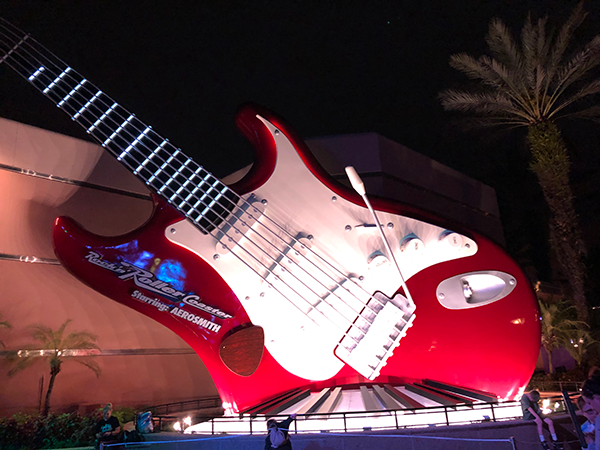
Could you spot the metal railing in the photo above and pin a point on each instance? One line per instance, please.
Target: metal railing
(188, 405)
(346, 421)
(555, 386)
(366, 420)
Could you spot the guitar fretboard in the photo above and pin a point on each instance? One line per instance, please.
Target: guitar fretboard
(187, 186)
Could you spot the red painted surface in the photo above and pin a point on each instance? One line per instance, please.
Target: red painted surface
(492, 348)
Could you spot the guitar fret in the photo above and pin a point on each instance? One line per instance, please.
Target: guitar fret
(160, 169)
(147, 160)
(197, 188)
(17, 45)
(75, 89)
(164, 186)
(122, 135)
(153, 159)
(188, 212)
(88, 103)
(178, 172)
(102, 117)
(56, 80)
(215, 200)
(171, 177)
(191, 209)
(184, 185)
(206, 194)
(36, 73)
(112, 136)
(135, 141)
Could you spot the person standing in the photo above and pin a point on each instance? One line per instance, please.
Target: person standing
(278, 434)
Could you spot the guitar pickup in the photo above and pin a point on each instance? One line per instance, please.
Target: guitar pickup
(367, 349)
(237, 225)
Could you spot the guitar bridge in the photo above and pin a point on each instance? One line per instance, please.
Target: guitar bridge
(367, 348)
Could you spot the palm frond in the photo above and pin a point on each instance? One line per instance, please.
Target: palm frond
(542, 42)
(573, 71)
(502, 45)
(564, 37)
(591, 113)
(535, 77)
(90, 364)
(59, 333)
(592, 88)
(56, 341)
(476, 70)
(4, 324)
(21, 364)
(41, 333)
(472, 123)
(494, 122)
(79, 339)
(489, 104)
(469, 66)
(513, 86)
(493, 74)
(580, 63)
(528, 49)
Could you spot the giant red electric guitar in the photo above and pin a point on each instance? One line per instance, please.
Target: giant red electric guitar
(282, 280)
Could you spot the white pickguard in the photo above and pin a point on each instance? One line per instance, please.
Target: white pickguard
(304, 325)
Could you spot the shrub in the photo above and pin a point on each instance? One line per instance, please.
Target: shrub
(124, 415)
(22, 431)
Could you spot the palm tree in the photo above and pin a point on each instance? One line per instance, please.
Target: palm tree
(558, 330)
(4, 324)
(56, 348)
(580, 345)
(533, 84)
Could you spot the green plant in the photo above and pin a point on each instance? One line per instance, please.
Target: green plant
(22, 431)
(56, 348)
(580, 346)
(533, 83)
(559, 329)
(125, 415)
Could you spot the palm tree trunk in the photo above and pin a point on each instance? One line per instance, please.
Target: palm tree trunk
(54, 370)
(550, 162)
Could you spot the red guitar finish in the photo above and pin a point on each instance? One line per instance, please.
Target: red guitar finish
(492, 348)
(290, 252)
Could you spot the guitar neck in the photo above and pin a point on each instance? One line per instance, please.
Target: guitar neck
(165, 169)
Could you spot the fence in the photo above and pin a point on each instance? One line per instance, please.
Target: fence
(366, 420)
(555, 386)
(188, 405)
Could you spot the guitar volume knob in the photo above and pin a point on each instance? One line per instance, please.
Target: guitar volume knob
(411, 243)
(452, 239)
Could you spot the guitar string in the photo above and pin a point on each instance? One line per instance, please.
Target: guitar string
(355, 311)
(362, 317)
(343, 331)
(266, 240)
(172, 176)
(243, 211)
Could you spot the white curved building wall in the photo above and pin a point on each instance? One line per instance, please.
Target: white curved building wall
(162, 368)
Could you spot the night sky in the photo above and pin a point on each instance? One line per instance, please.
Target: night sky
(326, 67)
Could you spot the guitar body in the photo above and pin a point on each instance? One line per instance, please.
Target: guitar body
(286, 279)
(476, 322)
